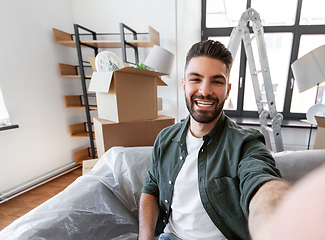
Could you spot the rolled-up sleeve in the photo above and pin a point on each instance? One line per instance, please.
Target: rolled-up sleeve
(256, 168)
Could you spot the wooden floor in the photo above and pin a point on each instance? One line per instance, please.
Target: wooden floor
(18, 206)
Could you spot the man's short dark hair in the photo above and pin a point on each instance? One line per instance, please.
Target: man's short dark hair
(213, 49)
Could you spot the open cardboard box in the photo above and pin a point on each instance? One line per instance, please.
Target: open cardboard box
(320, 135)
(128, 94)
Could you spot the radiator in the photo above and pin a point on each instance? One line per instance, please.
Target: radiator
(16, 191)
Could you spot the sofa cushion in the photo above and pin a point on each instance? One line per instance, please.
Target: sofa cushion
(293, 165)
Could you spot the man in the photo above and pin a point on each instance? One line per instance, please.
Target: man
(208, 174)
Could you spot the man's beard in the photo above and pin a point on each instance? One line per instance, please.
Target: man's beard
(203, 116)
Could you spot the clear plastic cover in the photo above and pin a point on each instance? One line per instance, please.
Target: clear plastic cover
(102, 204)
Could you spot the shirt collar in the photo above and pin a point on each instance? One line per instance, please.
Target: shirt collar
(181, 135)
(214, 134)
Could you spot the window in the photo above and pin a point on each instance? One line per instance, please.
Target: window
(292, 28)
(221, 13)
(278, 49)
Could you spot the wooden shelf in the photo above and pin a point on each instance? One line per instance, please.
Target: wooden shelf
(71, 71)
(79, 130)
(66, 39)
(75, 102)
(83, 154)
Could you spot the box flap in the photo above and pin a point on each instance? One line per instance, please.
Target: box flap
(141, 71)
(100, 82)
(160, 82)
(320, 121)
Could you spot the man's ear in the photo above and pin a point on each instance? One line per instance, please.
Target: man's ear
(183, 84)
(228, 90)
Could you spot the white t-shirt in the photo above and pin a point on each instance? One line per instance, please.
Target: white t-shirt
(188, 219)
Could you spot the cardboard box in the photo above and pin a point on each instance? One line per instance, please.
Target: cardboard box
(128, 94)
(87, 165)
(320, 135)
(128, 134)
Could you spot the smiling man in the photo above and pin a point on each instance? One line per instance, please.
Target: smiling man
(208, 175)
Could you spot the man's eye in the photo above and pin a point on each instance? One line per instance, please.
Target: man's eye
(194, 80)
(218, 82)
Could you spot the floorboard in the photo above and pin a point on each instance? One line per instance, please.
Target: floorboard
(22, 204)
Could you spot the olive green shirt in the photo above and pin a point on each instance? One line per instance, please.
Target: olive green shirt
(232, 164)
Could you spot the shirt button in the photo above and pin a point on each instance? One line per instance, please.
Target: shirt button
(181, 158)
(166, 212)
(201, 150)
(170, 182)
(166, 201)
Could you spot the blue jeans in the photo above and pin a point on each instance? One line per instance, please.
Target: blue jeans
(168, 236)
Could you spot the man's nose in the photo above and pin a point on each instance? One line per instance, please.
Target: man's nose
(205, 88)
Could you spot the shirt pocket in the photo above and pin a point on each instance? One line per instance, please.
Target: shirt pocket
(224, 195)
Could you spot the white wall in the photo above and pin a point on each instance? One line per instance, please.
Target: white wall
(33, 91)
(188, 33)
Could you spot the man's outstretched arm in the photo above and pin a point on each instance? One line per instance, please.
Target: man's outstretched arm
(148, 216)
(262, 208)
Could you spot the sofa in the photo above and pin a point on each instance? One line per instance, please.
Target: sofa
(103, 204)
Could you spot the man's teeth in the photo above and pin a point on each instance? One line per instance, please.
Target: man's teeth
(204, 104)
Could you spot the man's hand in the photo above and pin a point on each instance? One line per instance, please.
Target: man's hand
(300, 215)
(263, 206)
(148, 216)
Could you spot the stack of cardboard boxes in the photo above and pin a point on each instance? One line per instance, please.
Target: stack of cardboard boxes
(127, 108)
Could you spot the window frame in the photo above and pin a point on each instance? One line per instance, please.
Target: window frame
(296, 30)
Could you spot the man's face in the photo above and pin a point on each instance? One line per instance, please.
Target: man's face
(206, 88)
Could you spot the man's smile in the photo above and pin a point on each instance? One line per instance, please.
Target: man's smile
(204, 104)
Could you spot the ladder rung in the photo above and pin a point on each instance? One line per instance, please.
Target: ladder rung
(263, 101)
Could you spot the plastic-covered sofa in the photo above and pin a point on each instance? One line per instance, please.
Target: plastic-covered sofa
(103, 204)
